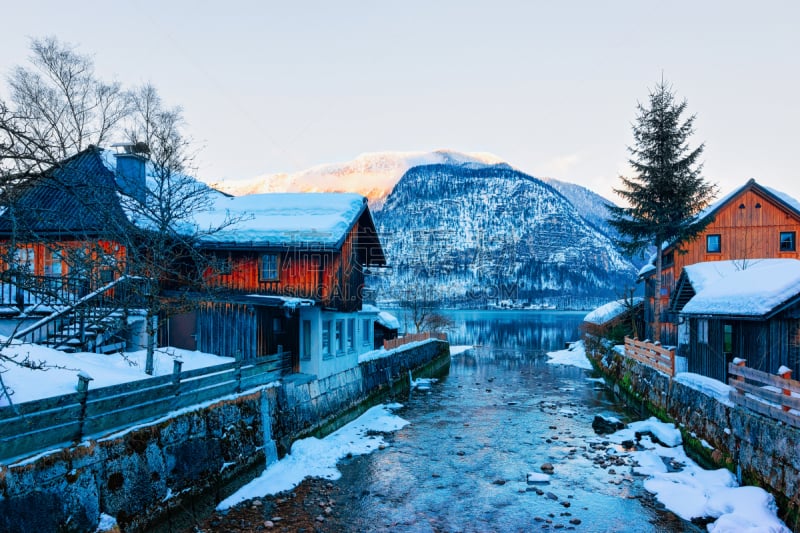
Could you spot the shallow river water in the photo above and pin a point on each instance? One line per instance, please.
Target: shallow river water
(500, 413)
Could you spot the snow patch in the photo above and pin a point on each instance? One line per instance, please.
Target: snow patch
(575, 355)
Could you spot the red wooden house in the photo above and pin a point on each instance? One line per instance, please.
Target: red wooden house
(752, 222)
(288, 275)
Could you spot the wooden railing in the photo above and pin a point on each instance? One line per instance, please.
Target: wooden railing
(66, 420)
(413, 337)
(651, 354)
(771, 395)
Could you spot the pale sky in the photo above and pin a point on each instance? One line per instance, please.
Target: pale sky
(550, 86)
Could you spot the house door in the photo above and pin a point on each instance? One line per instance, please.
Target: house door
(182, 331)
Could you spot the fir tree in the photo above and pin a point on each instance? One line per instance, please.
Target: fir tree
(667, 190)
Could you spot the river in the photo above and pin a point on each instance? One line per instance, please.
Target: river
(500, 413)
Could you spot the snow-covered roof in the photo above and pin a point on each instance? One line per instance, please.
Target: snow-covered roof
(609, 311)
(388, 320)
(283, 219)
(270, 219)
(725, 288)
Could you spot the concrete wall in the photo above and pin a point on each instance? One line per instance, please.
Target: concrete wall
(150, 475)
(765, 451)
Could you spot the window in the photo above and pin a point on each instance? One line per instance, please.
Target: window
(268, 270)
(24, 259)
(727, 338)
(54, 267)
(788, 241)
(365, 331)
(306, 345)
(713, 244)
(326, 339)
(702, 331)
(339, 337)
(668, 259)
(277, 325)
(351, 334)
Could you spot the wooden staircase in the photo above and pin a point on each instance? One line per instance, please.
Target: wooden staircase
(96, 323)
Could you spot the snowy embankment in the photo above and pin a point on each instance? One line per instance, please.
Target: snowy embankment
(575, 355)
(314, 457)
(60, 373)
(692, 492)
(383, 352)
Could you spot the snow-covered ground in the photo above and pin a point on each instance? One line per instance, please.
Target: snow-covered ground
(690, 491)
(62, 369)
(314, 457)
(575, 355)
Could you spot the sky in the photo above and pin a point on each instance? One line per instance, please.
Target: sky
(550, 87)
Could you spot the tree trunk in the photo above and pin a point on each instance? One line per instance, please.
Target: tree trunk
(657, 299)
(151, 343)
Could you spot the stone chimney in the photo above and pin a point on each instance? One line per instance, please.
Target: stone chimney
(130, 175)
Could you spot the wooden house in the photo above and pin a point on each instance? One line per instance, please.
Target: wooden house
(287, 277)
(750, 312)
(752, 222)
(290, 278)
(614, 320)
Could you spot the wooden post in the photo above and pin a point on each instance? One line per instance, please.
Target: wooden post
(741, 363)
(785, 373)
(177, 365)
(83, 389)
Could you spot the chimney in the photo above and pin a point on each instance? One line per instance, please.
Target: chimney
(130, 175)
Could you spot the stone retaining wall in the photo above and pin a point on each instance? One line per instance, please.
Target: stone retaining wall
(149, 476)
(764, 451)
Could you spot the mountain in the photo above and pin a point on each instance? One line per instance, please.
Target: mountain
(472, 235)
(371, 174)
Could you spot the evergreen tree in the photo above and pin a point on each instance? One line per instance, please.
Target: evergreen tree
(667, 190)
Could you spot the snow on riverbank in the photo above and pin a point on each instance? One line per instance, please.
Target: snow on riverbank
(690, 491)
(314, 457)
(61, 375)
(575, 355)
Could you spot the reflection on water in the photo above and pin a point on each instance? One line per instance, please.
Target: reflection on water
(500, 413)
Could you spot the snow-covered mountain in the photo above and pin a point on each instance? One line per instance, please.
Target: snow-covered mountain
(372, 174)
(476, 234)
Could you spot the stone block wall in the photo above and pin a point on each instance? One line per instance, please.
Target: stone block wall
(765, 451)
(146, 474)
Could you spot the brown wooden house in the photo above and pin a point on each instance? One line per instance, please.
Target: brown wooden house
(290, 277)
(753, 222)
(287, 276)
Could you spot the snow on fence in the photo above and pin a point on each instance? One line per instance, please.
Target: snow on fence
(775, 396)
(651, 354)
(413, 337)
(68, 419)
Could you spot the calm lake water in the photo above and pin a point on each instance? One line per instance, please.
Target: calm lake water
(500, 413)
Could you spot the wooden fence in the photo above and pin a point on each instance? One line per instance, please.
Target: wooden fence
(413, 337)
(66, 420)
(651, 354)
(770, 395)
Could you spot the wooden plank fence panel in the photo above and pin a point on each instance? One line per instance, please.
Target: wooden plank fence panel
(23, 444)
(257, 380)
(764, 377)
(99, 406)
(652, 355)
(38, 406)
(40, 421)
(135, 414)
(197, 372)
(195, 396)
(767, 410)
(131, 386)
(778, 398)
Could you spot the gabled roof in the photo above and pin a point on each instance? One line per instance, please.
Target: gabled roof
(758, 289)
(63, 201)
(611, 310)
(278, 221)
(781, 199)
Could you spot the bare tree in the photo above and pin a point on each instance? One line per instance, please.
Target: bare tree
(163, 244)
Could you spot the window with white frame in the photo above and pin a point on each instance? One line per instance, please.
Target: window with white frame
(268, 268)
(339, 337)
(365, 330)
(306, 344)
(326, 339)
(702, 331)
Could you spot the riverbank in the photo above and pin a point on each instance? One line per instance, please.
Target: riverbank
(758, 450)
(158, 475)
